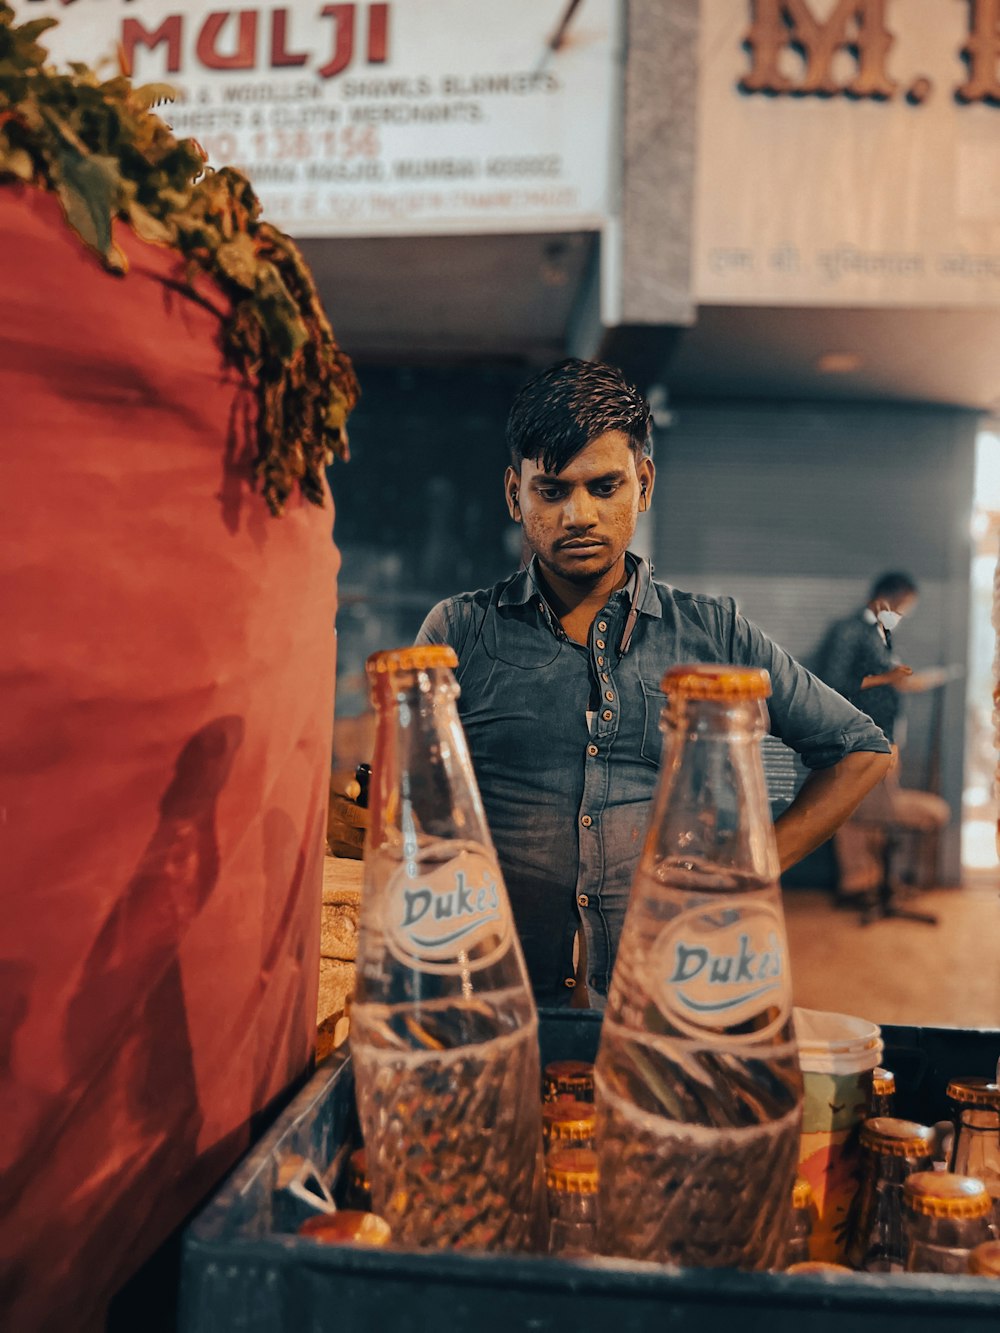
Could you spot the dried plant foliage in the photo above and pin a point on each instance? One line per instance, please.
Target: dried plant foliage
(98, 146)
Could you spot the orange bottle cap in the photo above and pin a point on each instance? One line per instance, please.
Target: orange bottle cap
(883, 1082)
(889, 1137)
(817, 1266)
(802, 1194)
(942, 1194)
(572, 1170)
(567, 1118)
(347, 1227)
(974, 1092)
(569, 1076)
(419, 658)
(717, 682)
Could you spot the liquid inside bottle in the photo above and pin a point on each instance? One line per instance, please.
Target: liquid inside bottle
(697, 1082)
(444, 1031)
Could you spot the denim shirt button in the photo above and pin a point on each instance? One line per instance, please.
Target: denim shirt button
(592, 750)
(583, 900)
(610, 696)
(607, 715)
(600, 643)
(586, 821)
(570, 982)
(600, 661)
(602, 625)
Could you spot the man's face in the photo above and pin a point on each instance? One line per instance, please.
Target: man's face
(580, 521)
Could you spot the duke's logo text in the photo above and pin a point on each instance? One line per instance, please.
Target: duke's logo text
(721, 967)
(458, 906)
(450, 916)
(734, 977)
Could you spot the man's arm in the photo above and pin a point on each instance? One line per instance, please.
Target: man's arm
(896, 678)
(826, 798)
(907, 681)
(846, 751)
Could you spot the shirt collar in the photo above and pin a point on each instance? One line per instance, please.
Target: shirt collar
(524, 586)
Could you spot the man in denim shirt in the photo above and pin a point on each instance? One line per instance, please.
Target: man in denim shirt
(560, 669)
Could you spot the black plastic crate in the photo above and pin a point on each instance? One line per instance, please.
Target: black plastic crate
(242, 1272)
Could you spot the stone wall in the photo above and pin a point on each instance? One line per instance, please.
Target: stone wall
(338, 950)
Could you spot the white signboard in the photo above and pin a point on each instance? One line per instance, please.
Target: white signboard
(406, 117)
(849, 154)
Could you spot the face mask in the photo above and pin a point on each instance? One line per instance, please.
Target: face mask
(889, 619)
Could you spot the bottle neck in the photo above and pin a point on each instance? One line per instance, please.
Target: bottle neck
(712, 812)
(422, 785)
(436, 921)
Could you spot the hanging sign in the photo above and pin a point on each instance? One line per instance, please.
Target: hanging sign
(408, 117)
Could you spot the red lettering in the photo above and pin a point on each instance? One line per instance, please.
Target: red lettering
(766, 39)
(343, 43)
(280, 55)
(135, 34)
(244, 55)
(378, 34)
(981, 53)
(789, 24)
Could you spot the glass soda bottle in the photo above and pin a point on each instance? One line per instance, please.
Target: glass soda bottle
(697, 1080)
(444, 1030)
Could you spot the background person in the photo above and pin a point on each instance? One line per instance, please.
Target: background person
(856, 658)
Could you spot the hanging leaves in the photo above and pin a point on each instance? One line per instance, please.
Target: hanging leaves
(100, 149)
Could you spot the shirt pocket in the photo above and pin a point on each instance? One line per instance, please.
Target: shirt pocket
(654, 701)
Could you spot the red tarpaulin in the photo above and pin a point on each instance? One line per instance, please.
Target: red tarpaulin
(166, 711)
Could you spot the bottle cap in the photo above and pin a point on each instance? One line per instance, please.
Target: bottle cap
(566, 1118)
(570, 1077)
(817, 1266)
(572, 1170)
(943, 1194)
(985, 1259)
(347, 1227)
(802, 1194)
(974, 1092)
(717, 682)
(883, 1082)
(419, 658)
(889, 1137)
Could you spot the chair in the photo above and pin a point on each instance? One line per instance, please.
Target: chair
(889, 898)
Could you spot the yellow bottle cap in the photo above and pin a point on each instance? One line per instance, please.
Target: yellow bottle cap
(419, 658)
(889, 1137)
(984, 1260)
(942, 1194)
(817, 1266)
(572, 1170)
(717, 682)
(883, 1082)
(347, 1227)
(974, 1092)
(566, 1118)
(802, 1194)
(569, 1078)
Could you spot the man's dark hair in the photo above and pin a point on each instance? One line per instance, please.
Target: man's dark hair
(893, 585)
(565, 408)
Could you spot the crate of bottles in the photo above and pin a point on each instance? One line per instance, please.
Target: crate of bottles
(245, 1268)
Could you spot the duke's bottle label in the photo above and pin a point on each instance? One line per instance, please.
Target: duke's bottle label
(721, 966)
(448, 917)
